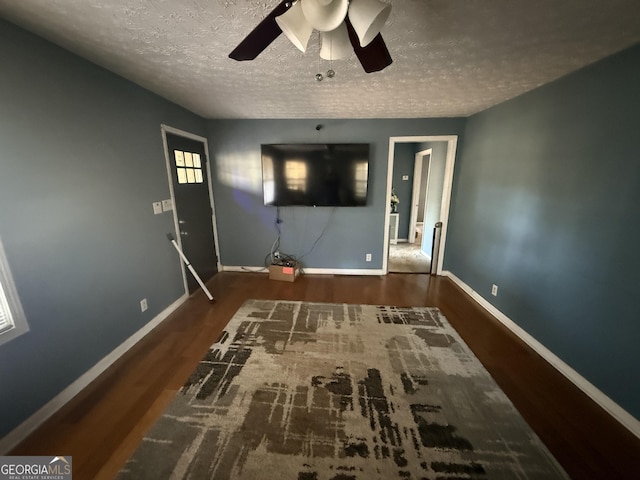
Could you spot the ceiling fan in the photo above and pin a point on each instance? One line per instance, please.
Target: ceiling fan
(344, 25)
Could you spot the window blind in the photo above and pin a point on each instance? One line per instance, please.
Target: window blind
(6, 322)
(13, 323)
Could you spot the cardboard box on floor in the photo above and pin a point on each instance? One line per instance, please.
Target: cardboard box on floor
(284, 273)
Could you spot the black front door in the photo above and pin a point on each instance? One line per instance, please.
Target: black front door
(193, 205)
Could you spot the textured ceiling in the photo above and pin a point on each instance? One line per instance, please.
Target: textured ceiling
(451, 57)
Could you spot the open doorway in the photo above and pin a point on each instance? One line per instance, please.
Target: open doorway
(420, 174)
(408, 253)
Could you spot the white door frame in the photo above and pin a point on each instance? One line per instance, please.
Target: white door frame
(415, 194)
(452, 143)
(175, 131)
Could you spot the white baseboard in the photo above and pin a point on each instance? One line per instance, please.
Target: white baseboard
(615, 410)
(228, 268)
(343, 271)
(19, 433)
(312, 271)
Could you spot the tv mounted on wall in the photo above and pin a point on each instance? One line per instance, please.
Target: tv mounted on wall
(315, 174)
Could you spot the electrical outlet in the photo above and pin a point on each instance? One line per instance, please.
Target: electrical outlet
(368, 257)
(494, 290)
(157, 208)
(143, 305)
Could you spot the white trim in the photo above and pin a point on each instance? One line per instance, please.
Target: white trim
(343, 271)
(309, 271)
(232, 268)
(164, 129)
(452, 141)
(27, 427)
(244, 269)
(610, 406)
(181, 133)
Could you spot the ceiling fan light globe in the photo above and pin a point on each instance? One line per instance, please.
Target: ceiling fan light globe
(368, 17)
(295, 26)
(325, 15)
(336, 43)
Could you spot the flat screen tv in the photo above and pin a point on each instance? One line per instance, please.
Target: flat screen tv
(315, 174)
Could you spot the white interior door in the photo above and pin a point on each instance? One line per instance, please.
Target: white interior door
(415, 198)
(415, 194)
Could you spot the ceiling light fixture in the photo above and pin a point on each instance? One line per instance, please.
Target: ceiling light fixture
(344, 26)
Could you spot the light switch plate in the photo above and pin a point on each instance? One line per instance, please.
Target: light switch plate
(167, 205)
(157, 208)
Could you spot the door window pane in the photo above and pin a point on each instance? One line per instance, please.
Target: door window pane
(188, 167)
(179, 158)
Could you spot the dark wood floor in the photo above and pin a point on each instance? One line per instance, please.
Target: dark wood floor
(102, 426)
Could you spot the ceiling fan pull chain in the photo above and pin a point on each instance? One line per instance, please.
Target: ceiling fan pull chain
(319, 76)
(331, 73)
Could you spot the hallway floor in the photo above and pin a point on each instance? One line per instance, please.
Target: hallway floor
(407, 257)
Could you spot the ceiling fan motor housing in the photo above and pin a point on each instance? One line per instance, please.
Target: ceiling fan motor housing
(325, 15)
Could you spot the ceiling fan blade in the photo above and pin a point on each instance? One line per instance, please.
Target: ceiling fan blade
(262, 36)
(373, 57)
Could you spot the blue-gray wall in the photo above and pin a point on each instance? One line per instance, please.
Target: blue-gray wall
(246, 227)
(81, 161)
(546, 205)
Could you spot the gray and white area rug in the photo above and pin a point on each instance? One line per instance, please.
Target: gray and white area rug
(313, 391)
